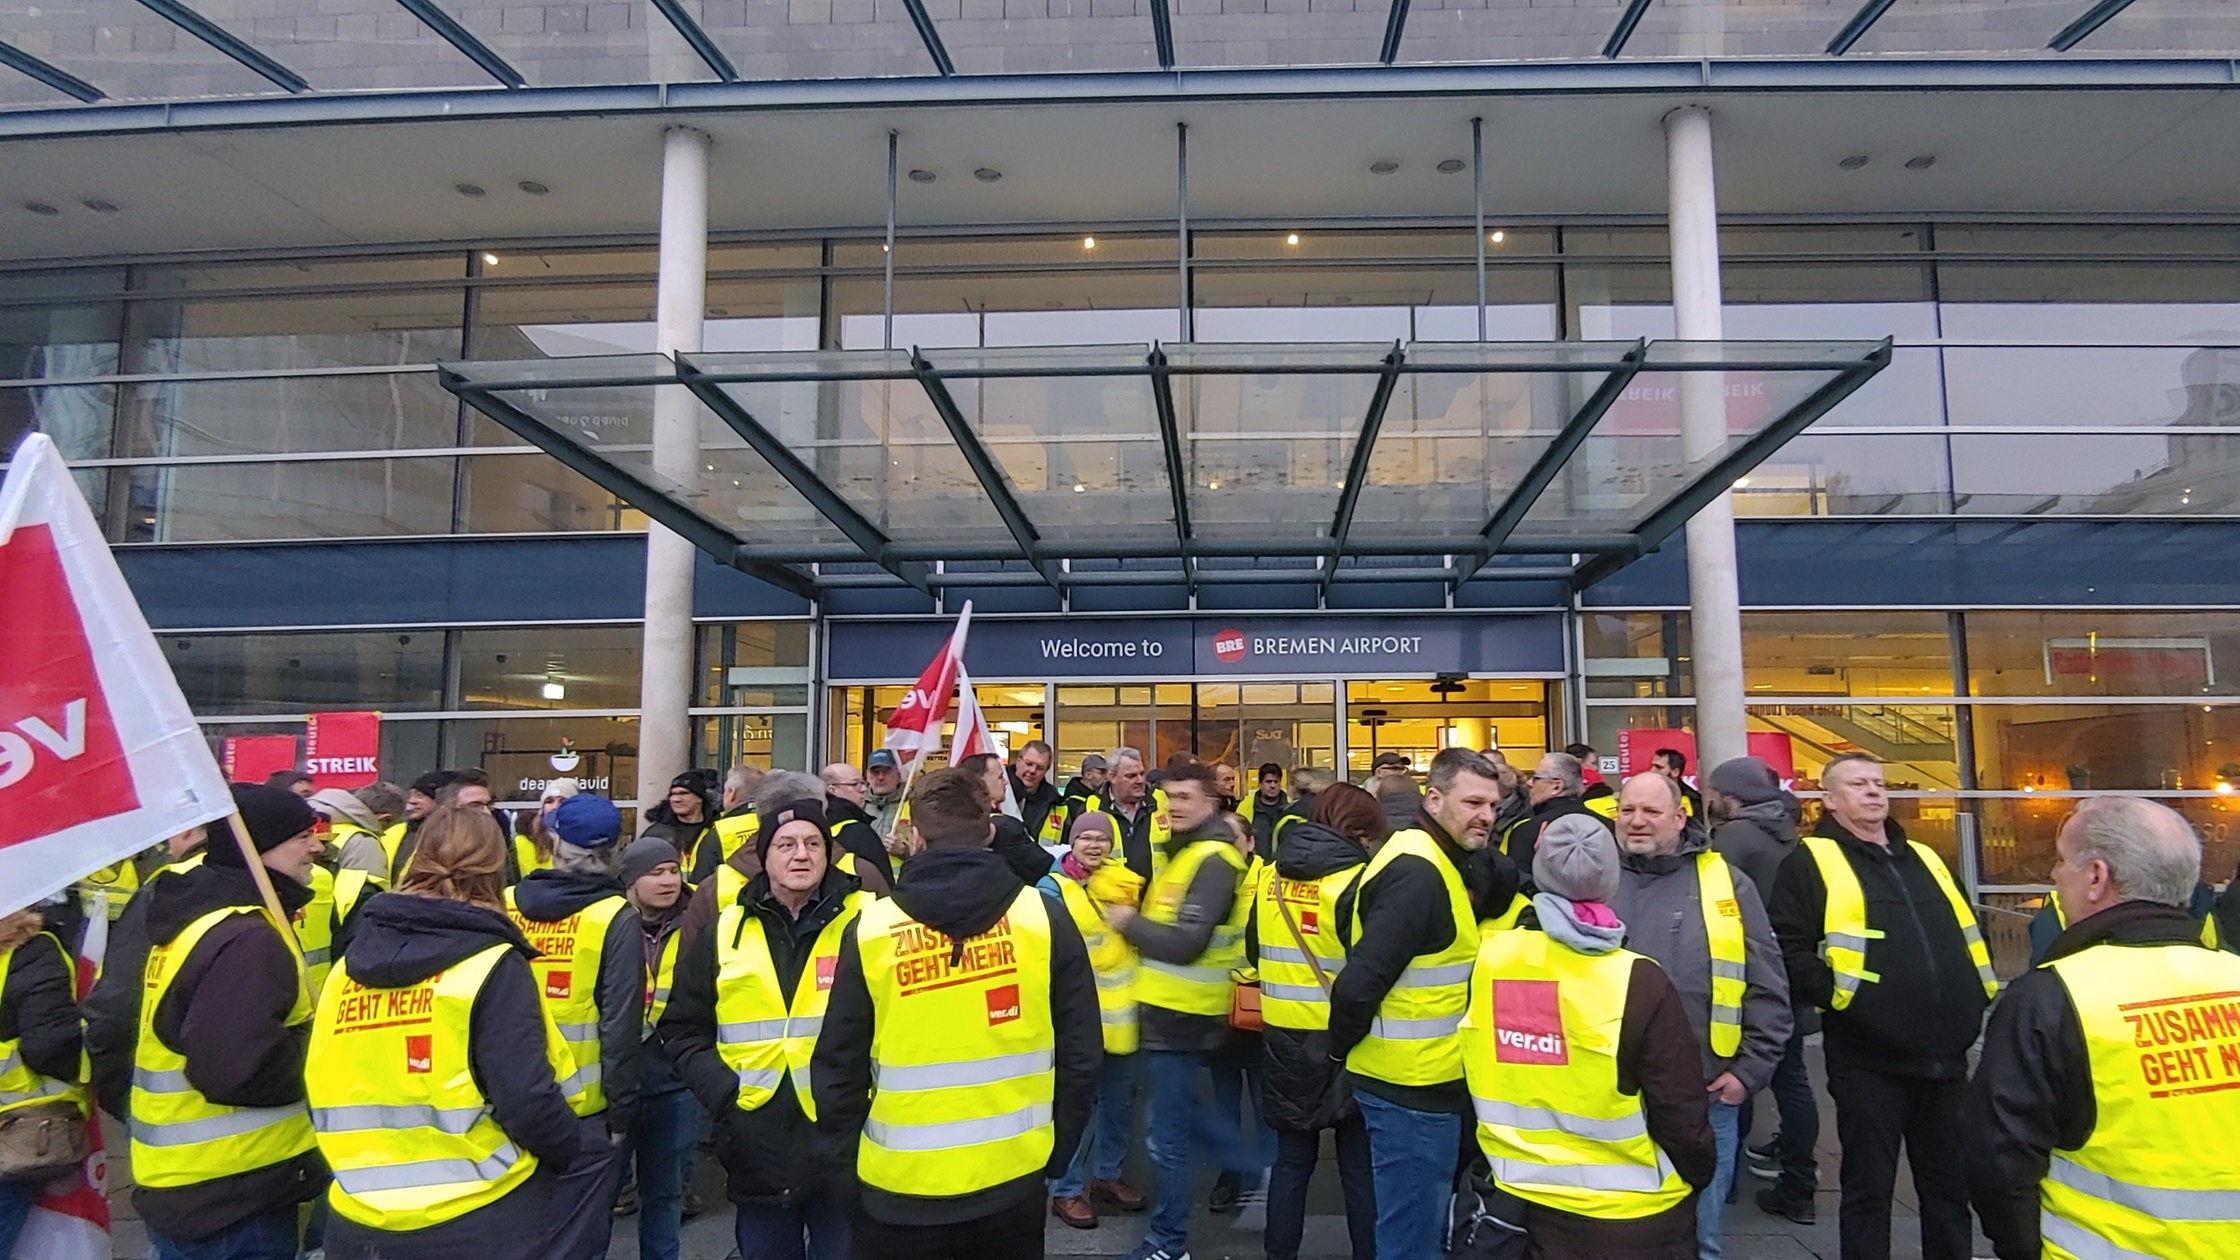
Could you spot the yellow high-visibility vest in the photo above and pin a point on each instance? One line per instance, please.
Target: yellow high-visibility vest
(1414, 1038)
(570, 953)
(661, 979)
(1054, 823)
(1114, 961)
(333, 896)
(179, 1137)
(2156, 1177)
(392, 839)
(734, 833)
(964, 1051)
(1844, 932)
(1540, 1053)
(394, 1102)
(763, 1035)
(20, 1086)
(1156, 835)
(526, 860)
(1730, 973)
(1200, 986)
(1290, 996)
(118, 879)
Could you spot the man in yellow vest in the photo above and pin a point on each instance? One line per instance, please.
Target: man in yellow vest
(222, 1146)
(1396, 1009)
(743, 1017)
(362, 847)
(2104, 1119)
(1702, 921)
(958, 1058)
(1875, 931)
(112, 1007)
(1189, 936)
(591, 972)
(1137, 813)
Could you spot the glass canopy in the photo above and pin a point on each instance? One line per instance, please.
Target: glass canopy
(1192, 463)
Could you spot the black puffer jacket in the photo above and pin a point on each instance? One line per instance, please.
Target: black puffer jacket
(1301, 1078)
(764, 1152)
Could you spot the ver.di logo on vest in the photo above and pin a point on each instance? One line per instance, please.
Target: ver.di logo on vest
(1528, 1024)
(1003, 1004)
(419, 1054)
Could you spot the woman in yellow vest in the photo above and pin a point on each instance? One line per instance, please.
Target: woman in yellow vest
(434, 1070)
(1083, 883)
(39, 1045)
(669, 1118)
(1583, 1070)
(744, 1010)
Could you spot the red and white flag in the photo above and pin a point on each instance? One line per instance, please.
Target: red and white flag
(915, 728)
(69, 1220)
(972, 736)
(99, 755)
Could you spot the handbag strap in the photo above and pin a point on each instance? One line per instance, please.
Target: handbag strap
(1284, 908)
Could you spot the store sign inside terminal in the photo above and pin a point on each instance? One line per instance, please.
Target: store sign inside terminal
(1032, 649)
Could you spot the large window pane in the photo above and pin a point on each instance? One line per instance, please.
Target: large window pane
(1409, 718)
(1916, 741)
(40, 342)
(1888, 654)
(176, 334)
(551, 321)
(550, 667)
(77, 417)
(285, 415)
(601, 754)
(2096, 474)
(2018, 835)
(1832, 474)
(2131, 386)
(2132, 748)
(1638, 656)
(534, 494)
(308, 673)
(753, 663)
(323, 499)
(2103, 653)
(772, 741)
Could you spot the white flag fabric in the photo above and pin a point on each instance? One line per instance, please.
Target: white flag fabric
(972, 736)
(99, 755)
(915, 728)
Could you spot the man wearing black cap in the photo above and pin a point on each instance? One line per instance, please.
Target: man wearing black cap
(222, 1147)
(686, 815)
(436, 787)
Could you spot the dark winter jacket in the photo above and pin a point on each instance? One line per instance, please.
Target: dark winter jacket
(1305, 1089)
(1017, 847)
(687, 836)
(2032, 1093)
(960, 893)
(1758, 839)
(701, 911)
(39, 1007)
(226, 1014)
(402, 940)
(851, 829)
(1523, 838)
(552, 896)
(1209, 899)
(1403, 914)
(1264, 815)
(1133, 839)
(1035, 806)
(1922, 1014)
(762, 1151)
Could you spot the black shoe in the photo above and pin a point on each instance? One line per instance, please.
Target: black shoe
(1765, 1167)
(1225, 1190)
(1768, 1149)
(1773, 1202)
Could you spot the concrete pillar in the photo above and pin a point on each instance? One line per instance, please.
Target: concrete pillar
(1714, 595)
(680, 311)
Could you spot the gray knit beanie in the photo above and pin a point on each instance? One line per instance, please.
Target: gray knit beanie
(1577, 858)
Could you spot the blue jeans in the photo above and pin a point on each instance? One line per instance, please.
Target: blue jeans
(765, 1231)
(1412, 1160)
(668, 1123)
(1180, 1122)
(1105, 1144)
(271, 1235)
(1238, 1079)
(15, 1206)
(1711, 1203)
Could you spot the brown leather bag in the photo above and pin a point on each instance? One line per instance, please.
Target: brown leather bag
(42, 1141)
(1244, 1006)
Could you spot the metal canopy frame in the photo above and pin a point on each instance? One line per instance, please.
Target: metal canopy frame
(1587, 381)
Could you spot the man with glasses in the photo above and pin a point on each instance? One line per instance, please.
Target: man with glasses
(1041, 806)
(1554, 790)
(850, 823)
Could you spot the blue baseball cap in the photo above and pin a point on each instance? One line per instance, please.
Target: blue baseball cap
(880, 760)
(587, 821)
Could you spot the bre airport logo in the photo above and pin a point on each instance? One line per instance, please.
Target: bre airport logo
(1229, 645)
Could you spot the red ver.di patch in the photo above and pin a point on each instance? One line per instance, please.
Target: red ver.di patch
(1528, 1023)
(61, 763)
(1003, 1004)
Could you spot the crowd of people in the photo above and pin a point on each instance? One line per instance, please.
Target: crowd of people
(921, 1015)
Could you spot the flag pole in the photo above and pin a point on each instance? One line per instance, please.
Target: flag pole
(255, 863)
(956, 637)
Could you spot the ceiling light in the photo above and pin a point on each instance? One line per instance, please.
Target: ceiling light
(41, 208)
(99, 206)
(1088, 242)
(555, 691)
(1292, 239)
(489, 260)
(922, 177)
(1854, 162)
(1451, 165)
(467, 190)
(533, 187)
(1497, 236)
(1213, 485)
(1078, 488)
(1742, 483)
(2223, 788)
(987, 174)
(1921, 163)
(1383, 166)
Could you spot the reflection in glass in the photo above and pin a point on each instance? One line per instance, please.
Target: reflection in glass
(599, 753)
(742, 662)
(308, 673)
(1832, 474)
(2097, 474)
(550, 667)
(2106, 653)
(356, 498)
(278, 415)
(389, 328)
(2175, 386)
(535, 494)
(2124, 748)
(2018, 835)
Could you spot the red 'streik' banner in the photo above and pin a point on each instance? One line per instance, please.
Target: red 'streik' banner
(255, 758)
(1636, 749)
(340, 749)
(99, 755)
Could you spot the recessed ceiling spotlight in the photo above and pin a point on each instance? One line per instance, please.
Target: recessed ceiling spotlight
(489, 260)
(1854, 162)
(1497, 236)
(99, 206)
(1383, 166)
(1451, 166)
(533, 187)
(41, 208)
(922, 177)
(1921, 163)
(1088, 242)
(467, 190)
(1291, 239)
(987, 174)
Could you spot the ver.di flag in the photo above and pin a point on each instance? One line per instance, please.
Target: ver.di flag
(99, 755)
(915, 728)
(972, 736)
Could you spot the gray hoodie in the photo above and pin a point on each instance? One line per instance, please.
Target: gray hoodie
(1757, 838)
(1659, 900)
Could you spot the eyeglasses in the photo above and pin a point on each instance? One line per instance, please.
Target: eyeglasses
(846, 783)
(1546, 778)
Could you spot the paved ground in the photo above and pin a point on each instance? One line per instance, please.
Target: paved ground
(1750, 1234)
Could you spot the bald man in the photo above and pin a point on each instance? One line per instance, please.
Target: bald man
(852, 828)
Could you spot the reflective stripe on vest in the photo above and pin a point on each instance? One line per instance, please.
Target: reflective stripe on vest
(1540, 1052)
(1110, 957)
(1200, 986)
(1844, 931)
(179, 1137)
(1722, 929)
(761, 1034)
(1290, 996)
(961, 1050)
(570, 953)
(2156, 1177)
(20, 1086)
(389, 1077)
(1412, 1040)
